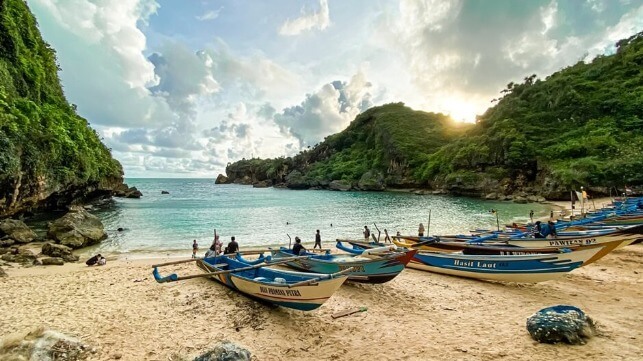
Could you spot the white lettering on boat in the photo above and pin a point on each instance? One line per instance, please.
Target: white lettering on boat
(479, 264)
(279, 291)
(569, 242)
(355, 268)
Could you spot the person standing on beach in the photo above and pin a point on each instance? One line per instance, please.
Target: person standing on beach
(421, 230)
(195, 248)
(367, 233)
(233, 246)
(317, 240)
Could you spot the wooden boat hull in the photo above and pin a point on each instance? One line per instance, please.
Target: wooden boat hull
(529, 268)
(367, 270)
(305, 298)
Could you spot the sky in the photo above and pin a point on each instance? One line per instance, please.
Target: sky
(182, 88)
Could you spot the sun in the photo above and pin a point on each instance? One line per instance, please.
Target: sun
(461, 111)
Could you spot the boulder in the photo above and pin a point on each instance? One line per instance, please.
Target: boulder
(561, 323)
(340, 185)
(221, 179)
(55, 250)
(491, 196)
(6, 242)
(2, 273)
(371, 181)
(262, 184)
(19, 256)
(520, 199)
(296, 180)
(52, 261)
(16, 230)
(532, 199)
(77, 229)
(126, 192)
(43, 345)
(226, 351)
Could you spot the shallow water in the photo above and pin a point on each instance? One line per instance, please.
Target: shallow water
(159, 223)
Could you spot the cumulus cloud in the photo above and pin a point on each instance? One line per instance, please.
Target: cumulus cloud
(316, 20)
(327, 111)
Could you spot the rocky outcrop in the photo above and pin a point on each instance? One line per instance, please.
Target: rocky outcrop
(59, 251)
(77, 229)
(221, 179)
(23, 256)
(15, 230)
(372, 181)
(124, 191)
(296, 180)
(340, 185)
(262, 184)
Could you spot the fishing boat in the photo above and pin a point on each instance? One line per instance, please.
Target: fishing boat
(378, 269)
(296, 290)
(512, 268)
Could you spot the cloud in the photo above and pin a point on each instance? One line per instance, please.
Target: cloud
(316, 20)
(210, 15)
(327, 111)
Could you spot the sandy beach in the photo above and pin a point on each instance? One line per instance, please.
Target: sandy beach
(124, 313)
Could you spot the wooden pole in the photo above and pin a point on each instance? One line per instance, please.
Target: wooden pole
(378, 233)
(209, 274)
(314, 280)
(428, 225)
(289, 241)
(176, 262)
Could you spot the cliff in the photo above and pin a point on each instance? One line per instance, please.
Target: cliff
(49, 156)
(580, 126)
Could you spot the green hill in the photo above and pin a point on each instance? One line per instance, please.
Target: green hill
(49, 156)
(580, 126)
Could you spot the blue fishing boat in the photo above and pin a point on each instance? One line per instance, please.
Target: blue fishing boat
(378, 269)
(297, 290)
(511, 268)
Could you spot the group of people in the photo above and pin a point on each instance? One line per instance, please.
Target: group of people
(540, 231)
(387, 238)
(216, 247)
(97, 260)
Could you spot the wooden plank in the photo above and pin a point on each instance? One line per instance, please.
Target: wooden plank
(348, 312)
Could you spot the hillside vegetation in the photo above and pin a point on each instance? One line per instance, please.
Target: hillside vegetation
(580, 126)
(49, 155)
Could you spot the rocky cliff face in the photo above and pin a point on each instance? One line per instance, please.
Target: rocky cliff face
(50, 158)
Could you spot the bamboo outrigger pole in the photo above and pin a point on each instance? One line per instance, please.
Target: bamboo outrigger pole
(314, 280)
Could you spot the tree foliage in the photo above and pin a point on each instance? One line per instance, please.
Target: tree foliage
(42, 139)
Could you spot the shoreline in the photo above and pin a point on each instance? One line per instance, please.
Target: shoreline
(119, 309)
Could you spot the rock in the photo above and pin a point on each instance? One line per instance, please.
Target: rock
(3, 273)
(126, 192)
(77, 229)
(19, 256)
(491, 196)
(371, 181)
(221, 179)
(532, 199)
(340, 185)
(55, 250)
(37, 262)
(16, 230)
(226, 351)
(6, 242)
(561, 323)
(540, 199)
(262, 184)
(165, 192)
(296, 180)
(43, 345)
(52, 261)
(520, 199)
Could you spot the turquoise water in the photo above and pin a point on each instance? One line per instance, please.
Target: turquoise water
(266, 216)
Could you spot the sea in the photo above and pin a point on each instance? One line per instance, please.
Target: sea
(167, 224)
